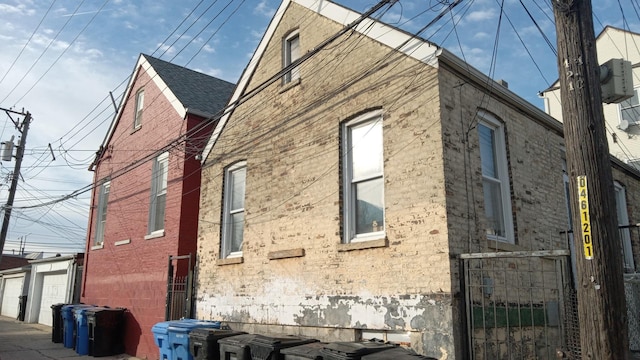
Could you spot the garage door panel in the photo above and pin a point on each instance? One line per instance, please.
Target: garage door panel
(11, 296)
(54, 289)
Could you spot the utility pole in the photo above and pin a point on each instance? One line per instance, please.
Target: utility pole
(23, 129)
(600, 287)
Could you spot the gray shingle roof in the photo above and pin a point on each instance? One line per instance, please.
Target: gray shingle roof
(198, 92)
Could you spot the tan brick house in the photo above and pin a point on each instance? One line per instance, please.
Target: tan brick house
(340, 193)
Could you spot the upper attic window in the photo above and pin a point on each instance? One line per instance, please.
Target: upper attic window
(137, 121)
(291, 53)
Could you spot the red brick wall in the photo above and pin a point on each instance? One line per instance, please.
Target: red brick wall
(131, 271)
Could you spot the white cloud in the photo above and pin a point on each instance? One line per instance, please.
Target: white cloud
(263, 9)
(481, 15)
(16, 10)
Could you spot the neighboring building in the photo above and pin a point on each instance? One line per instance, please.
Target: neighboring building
(622, 118)
(141, 239)
(54, 280)
(10, 261)
(384, 188)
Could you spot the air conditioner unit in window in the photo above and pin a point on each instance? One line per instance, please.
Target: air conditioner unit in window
(616, 81)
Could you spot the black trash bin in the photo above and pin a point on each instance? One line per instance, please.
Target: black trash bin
(203, 342)
(22, 307)
(352, 350)
(396, 353)
(236, 347)
(106, 329)
(268, 348)
(57, 326)
(304, 352)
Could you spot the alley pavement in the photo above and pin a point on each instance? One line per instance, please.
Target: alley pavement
(21, 341)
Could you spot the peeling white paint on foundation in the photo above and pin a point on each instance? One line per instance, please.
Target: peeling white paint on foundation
(291, 301)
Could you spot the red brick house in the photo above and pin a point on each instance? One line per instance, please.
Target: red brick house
(144, 211)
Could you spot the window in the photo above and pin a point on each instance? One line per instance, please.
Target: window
(233, 210)
(137, 121)
(630, 109)
(623, 220)
(291, 53)
(158, 192)
(363, 181)
(495, 179)
(103, 199)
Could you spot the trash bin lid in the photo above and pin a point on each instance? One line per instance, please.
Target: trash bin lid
(58, 306)
(355, 348)
(212, 335)
(238, 340)
(187, 326)
(306, 351)
(396, 353)
(278, 342)
(163, 326)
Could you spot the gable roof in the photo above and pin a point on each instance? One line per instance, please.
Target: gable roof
(394, 38)
(188, 91)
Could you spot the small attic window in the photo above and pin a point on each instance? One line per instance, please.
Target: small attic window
(291, 53)
(137, 121)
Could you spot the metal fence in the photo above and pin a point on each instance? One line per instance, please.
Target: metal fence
(519, 305)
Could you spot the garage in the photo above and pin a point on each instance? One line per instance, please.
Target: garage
(54, 288)
(11, 296)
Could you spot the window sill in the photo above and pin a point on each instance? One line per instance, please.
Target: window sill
(98, 247)
(230, 261)
(285, 254)
(122, 242)
(360, 245)
(135, 129)
(155, 234)
(503, 246)
(291, 84)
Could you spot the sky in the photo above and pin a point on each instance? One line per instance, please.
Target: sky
(64, 60)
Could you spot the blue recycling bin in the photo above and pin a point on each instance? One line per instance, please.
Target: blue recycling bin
(179, 336)
(69, 324)
(82, 329)
(161, 337)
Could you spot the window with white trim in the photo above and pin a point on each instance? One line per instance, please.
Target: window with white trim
(291, 53)
(137, 121)
(103, 199)
(495, 179)
(630, 109)
(623, 220)
(363, 178)
(159, 175)
(235, 178)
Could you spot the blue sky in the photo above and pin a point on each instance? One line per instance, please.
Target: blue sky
(61, 58)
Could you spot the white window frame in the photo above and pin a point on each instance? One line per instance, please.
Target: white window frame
(228, 211)
(137, 120)
(350, 234)
(101, 221)
(623, 220)
(291, 54)
(502, 179)
(158, 188)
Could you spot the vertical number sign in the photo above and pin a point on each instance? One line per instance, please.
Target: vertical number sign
(585, 221)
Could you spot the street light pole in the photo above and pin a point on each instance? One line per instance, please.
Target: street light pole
(24, 129)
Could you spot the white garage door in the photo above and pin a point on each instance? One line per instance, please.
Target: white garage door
(11, 296)
(54, 289)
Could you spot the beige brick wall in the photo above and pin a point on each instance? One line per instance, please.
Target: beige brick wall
(290, 139)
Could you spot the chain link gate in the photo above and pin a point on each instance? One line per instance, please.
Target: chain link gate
(520, 305)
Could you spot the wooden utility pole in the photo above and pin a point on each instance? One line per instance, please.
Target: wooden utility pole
(8, 207)
(600, 287)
